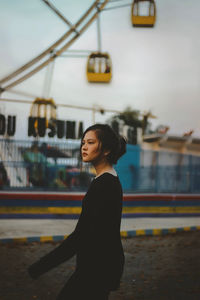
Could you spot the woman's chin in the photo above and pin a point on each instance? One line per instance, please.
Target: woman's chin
(84, 159)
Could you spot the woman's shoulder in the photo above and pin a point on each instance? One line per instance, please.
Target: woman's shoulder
(106, 181)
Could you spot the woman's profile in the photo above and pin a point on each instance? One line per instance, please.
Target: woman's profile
(96, 240)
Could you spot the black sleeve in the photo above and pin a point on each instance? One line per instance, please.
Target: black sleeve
(63, 252)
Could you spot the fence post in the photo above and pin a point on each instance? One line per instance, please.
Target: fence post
(157, 181)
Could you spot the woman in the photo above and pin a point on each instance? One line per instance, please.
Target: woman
(96, 239)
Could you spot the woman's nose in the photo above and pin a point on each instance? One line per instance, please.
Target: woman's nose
(84, 147)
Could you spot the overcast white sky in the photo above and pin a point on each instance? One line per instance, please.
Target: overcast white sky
(155, 69)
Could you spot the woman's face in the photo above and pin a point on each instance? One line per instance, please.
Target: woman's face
(90, 149)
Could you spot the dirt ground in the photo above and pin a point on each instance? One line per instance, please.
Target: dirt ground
(157, 267)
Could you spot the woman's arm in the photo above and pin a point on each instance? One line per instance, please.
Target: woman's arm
(63, 252)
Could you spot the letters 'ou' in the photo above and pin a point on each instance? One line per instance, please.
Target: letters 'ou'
(7, 126)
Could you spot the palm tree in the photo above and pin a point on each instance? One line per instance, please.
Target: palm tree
(134, 119)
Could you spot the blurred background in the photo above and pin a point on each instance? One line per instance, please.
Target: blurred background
(68, 64)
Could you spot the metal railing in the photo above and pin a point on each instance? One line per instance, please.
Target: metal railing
(57, 166)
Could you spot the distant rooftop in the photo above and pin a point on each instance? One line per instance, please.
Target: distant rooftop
(184, 144)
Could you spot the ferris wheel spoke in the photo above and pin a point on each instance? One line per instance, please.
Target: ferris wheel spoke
(51, 6)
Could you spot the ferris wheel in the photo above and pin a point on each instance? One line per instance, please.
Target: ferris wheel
(71, 35)
(99, 65)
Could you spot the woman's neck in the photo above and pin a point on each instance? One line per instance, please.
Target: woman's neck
(102, 167)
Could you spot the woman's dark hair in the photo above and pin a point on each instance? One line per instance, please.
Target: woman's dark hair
(109, 141)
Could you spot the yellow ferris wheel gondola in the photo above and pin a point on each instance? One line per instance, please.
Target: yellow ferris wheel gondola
(99, 67)
(43, 108)
(141, 20)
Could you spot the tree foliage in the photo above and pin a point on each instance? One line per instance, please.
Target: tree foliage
(130, 117)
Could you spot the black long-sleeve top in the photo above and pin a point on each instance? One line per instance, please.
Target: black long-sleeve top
(96, 239)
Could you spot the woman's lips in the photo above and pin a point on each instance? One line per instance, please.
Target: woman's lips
(84, 154)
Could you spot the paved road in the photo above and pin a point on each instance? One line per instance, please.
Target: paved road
(14, 228)
(157, 268)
